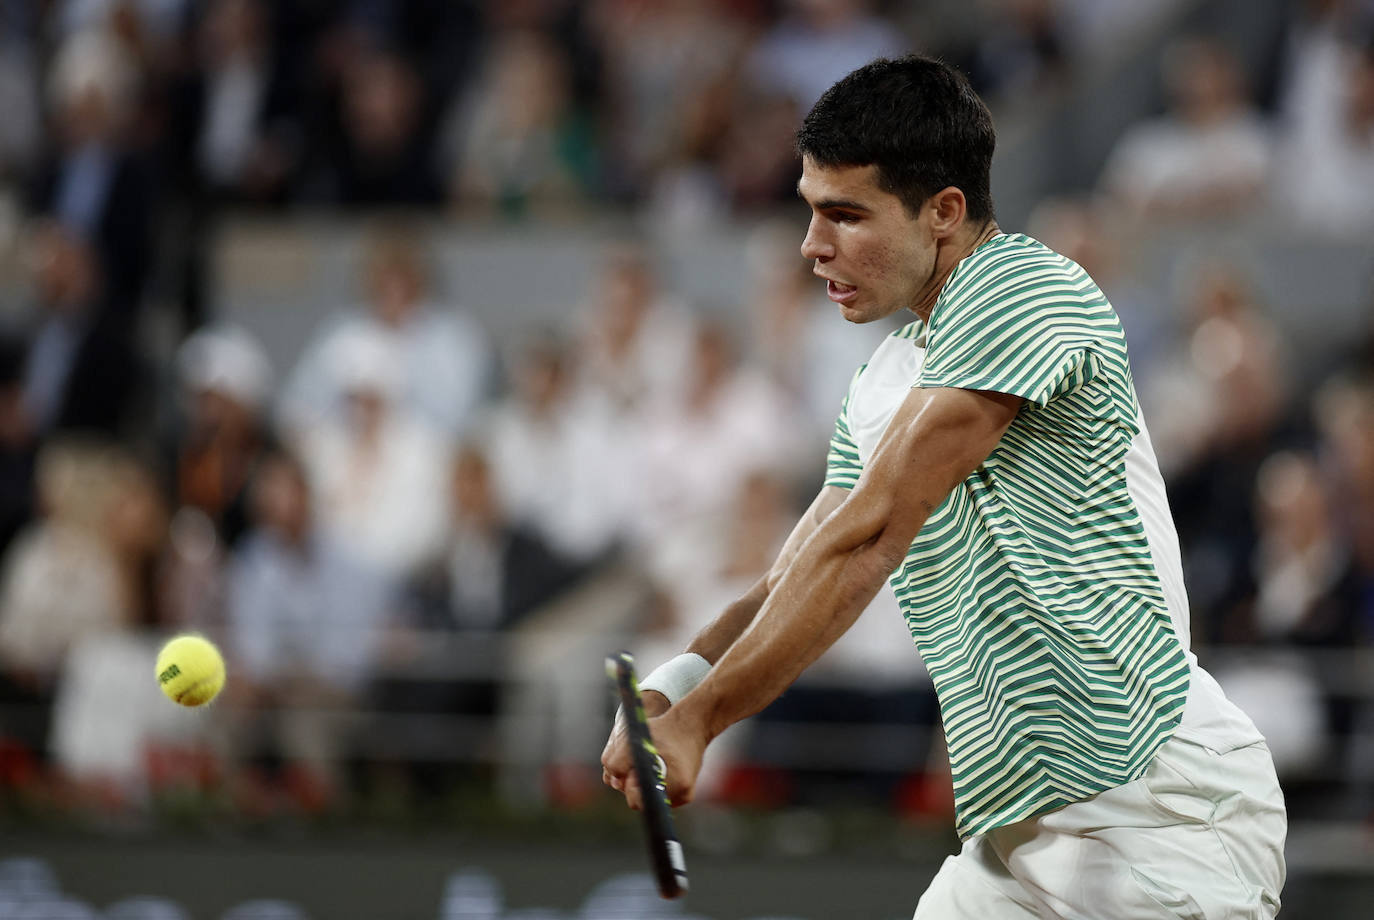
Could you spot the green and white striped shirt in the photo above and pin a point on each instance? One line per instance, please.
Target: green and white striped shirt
(1032, 592)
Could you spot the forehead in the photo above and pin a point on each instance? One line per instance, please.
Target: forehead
(841, 183)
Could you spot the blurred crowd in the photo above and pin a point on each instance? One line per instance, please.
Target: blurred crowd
(417, 541)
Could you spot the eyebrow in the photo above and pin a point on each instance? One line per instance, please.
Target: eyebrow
(833, 204)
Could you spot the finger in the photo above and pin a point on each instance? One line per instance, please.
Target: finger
(615, 758)
(679, 795)
(612, 779)
(633, 796)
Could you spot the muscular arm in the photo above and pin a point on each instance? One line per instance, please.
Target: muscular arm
(713, 641)
(716, 638)
(937, 438)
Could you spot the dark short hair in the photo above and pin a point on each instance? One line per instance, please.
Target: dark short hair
(917, 120)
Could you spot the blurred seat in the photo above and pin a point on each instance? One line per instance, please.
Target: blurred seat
(145, 907)
(25, 878)
(265, 909)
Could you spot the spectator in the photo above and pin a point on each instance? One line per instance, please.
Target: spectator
(665, 65)
(687, 189)
(1324, 175)
(1345, 418)
(757, 164)
(1216, 412)
(518, 141)
(95, 182)
(378, 469)
(306, 620)
(1024, 50)
(227, 381)
(1227, 384)
(498, 571)
(21, 130)
(116, 742)
(441, 37)
(1208, 156)
(101, 529)
(816, 43)
(730, 422)
(244, 133)
(18, 445)
(443, 355)
(1306, 580)
(381, 154)
(551, 453)
(163, 18)
(220, 437)
(113, 733)
(1344, 410)
(492, 575)
(82, 370)
(633, 354)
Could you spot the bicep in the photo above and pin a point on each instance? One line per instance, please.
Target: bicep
(937, 438)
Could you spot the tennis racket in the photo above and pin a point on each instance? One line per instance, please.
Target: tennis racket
(665, 852)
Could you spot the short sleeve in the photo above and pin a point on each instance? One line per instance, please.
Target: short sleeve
(1025, 331)
(842, 464)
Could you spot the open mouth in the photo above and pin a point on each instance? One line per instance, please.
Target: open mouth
(838, 292)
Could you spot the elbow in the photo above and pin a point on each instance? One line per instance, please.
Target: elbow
(887, 551)
(888, 534)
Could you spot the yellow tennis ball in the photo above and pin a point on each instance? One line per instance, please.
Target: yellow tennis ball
(190, 670)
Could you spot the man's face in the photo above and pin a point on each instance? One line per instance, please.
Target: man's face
(875, 257)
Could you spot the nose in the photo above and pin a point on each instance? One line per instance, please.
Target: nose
(816, 245)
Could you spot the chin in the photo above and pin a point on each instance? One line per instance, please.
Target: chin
(860, 315)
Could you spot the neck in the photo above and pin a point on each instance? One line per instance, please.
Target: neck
(953, 251)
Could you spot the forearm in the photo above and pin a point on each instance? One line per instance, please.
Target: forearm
(931, 445)
(711, 643)
(817, 599)
(826, 575)
(715, 640)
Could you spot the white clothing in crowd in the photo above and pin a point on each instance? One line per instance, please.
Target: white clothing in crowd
(1324, 169)
(1166, 159)
(645, 375)
(378, 470)
(444, 362)
(694, 460)
(562, 473)
(38, 625)
(108, 712)
(385, 500)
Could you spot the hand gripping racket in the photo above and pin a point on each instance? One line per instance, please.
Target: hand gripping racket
(665, 852)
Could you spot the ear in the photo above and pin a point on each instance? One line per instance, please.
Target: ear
(948, 208)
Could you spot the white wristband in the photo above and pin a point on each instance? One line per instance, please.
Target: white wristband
(678, 677)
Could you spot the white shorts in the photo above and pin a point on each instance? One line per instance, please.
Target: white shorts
(1200, 837)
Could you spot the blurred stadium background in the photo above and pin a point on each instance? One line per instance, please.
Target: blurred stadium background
(421, 352)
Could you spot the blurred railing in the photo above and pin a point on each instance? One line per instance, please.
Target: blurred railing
(399, 735)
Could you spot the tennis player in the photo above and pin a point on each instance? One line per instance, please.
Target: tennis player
(992, 462)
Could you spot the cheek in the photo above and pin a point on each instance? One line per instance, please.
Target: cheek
(891, 268)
